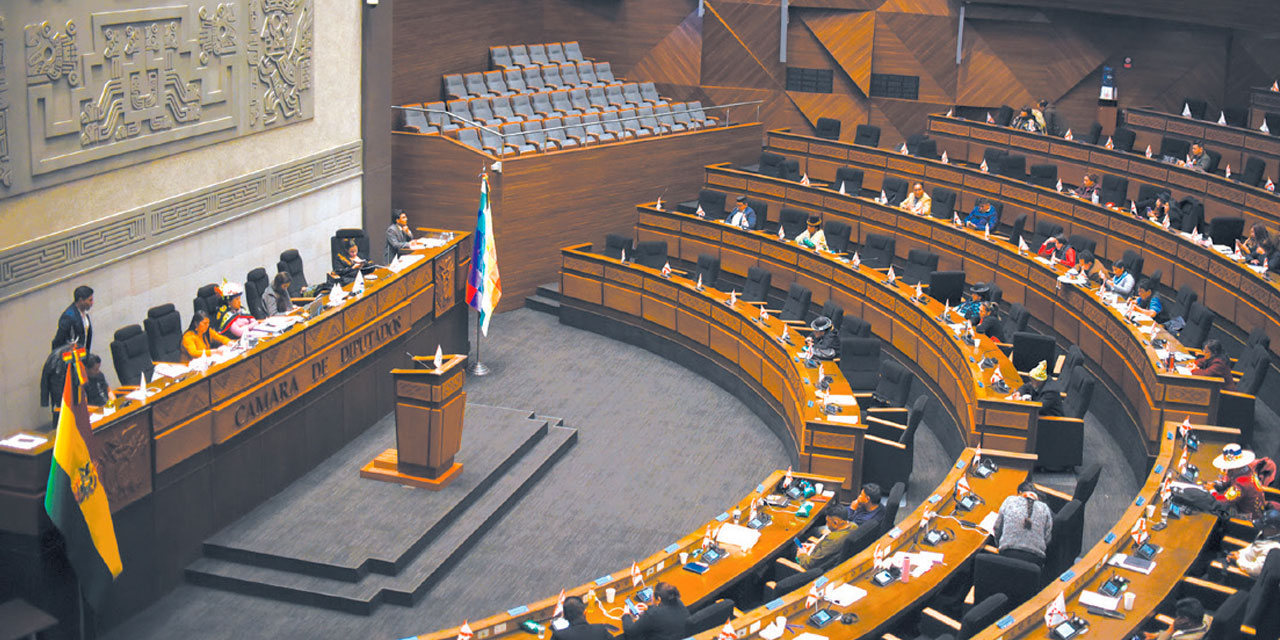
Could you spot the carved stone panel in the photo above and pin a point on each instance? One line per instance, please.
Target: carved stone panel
(101, 86)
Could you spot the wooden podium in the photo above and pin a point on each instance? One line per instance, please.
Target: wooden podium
(430, 404)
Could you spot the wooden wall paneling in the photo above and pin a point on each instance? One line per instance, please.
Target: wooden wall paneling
(676, 60)
(1019, 62)
(1253, 61)
(621, 33)
(847, 37)
(921, 7)
(740, 46)
(918, 45)
(1244, 14)
(899, 119)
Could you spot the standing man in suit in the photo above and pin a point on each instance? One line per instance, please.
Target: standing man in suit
(73, 324)
(575, 614)
(742, 216)
(665, 620)
(398, 236)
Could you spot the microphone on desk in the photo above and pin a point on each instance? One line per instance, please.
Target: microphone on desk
(416, 360)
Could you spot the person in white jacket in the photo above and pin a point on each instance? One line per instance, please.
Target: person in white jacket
(1251, 558)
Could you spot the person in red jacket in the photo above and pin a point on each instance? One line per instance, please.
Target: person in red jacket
(1214, 363)
(1238, 485)
(1057, 247)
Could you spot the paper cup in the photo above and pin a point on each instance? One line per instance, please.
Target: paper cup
(609, 593)
(1129, 597)
(684, 557)
(817, 487)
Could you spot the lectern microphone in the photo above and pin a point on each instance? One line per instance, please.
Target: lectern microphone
(416, 360)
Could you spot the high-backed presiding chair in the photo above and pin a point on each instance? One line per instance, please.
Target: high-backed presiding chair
(207, 300)
(163, 325)
(131, 354)
(291, 263)
(256, 282)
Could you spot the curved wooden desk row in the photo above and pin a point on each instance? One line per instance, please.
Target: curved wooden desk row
(1234, 143)
(776, 539)
(185, 416)
(964, 139)
(1182, 541)
(884, 606)
(1235, 292)
(912, 327)
(1076, 314)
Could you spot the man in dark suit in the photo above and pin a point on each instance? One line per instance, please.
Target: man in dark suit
(73, 324)
(398, 236)
(742, 216)
(665, 620)
(578, 628)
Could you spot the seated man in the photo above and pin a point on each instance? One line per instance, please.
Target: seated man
(1189, 622)
(1148, 302)
(97, 392)
(1121, 281)
(1027, 121)
(814, 553)
(577, 627)
(917, 202)
(1087, 265)
(1198, 160)
(983, 216)
(1251, 558)
(971, 306)
(866, 510)
(1057, 247)
(742, 216)
(824, 339)
(813, 237)
(1034, 391)
(665, 619)
(1088, 187)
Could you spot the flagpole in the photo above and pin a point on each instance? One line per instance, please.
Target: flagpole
(478, 368)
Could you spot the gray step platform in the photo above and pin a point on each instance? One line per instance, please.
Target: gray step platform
(446, 545)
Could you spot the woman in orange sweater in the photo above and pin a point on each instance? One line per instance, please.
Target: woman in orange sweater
(198, 339)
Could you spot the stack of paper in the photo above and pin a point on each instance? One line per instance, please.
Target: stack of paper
(846, 594)
(170, 369)
(737, 535)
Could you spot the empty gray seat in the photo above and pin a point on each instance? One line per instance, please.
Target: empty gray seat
(631, 91)
(521, 107)
(569, 74)
(534, 135)
(502, 110)
(571, 51)
(513, 139)
(496, 84)
(597, 99)
(587, 74)
(609, 120)
(650, 94)
(438, 119)
(520, 56)
(561, 104)
(554, 128)
(500, 58)
(454, 88)
(475, 84)
(555, 53)
(541, 103)
(471, 138)
(537, 55)
(574, 130)
(533, 79)
(551, 78)
(613, 96)
(604, 73)
(698, 116)
(578, 98)
(514, 81)
(482, 112)
(649, 122)
(663, 113)
(595, 129)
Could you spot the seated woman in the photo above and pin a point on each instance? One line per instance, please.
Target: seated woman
(1027, 121)
(1214, 363)
(813, 237)
(198, 339)
(1024, 526)
(346, 266)
(1258, 246)
(276, 300)
(97, 392)
(233, 320)
(1057, 247)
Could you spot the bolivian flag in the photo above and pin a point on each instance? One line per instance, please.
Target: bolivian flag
(484, 286)
(75, 499)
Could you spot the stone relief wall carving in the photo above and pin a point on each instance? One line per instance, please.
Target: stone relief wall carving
(98, 90)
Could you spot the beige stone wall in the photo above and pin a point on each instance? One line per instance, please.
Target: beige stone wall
(128, 286)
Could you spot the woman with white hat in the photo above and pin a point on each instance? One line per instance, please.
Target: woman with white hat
(1238, 486)
(233, 321)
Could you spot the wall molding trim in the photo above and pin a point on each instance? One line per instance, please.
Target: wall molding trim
(51, 259)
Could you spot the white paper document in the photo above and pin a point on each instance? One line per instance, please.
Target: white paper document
(846, 594)
(24, 441)
(737, 535)
(1098, 601)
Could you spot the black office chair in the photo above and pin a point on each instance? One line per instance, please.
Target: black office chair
(1045, 229)
(207, 300)
(850, 178)
(652, 253)
(291, 263)
(1123, 139)
(867, 135)
(1226, 230)
(709, 617)
(1261, 612)
(994, 574)
(1094, 135)
(1133, 262)
(946, 286)
(338, 245)
(1272, 121)
(1236, 116)
(792, 222)
(944, 203)
(1229, 616)
(994, 159)
(771, 164)
(762, 211)
(833, 312)
(1253, 174)
(890, 454)
(1174, 148)
(1014, 166)
(828, 128)
(1073, 358)
(1004, 116)
(859, 357)
(994, 293)
(796, 305)
(256, 282)
(1215, 160)
(895, 189)
(779, 588)
(1199, 322)
(1043, 175)
(1014, 322)
(708, 270)
(791, 170)
(1030, 348)
(913, 142)
(878, 251)
(936, 625)
(894, 387)
(837, 234)
(712, 203)
(756, 288)
(1066, 542)
(928, 149)
(853, 326)
(131, 355)
(1079, 394)
(1018, 228)
(1196, 106)
(891, 504)
(920, 263)
(1253, 366)
(1186, 295)
(1081, 243)
(163, 326)
(1113, 190)
(615, 244)
(1192, 214)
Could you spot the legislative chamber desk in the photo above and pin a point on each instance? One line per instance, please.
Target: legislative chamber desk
(965, 140)
(882, 607)
(1182, 541)
(1234, 143)
(912, 327)
(206, 448)
(1124, 353)
(1236, 293)
(778, 538)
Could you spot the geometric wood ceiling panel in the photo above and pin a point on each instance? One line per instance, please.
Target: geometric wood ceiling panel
(1064, 54)
(917, 45)
(848, 37)
(921, 7)
(731, 34)
(676, 59)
